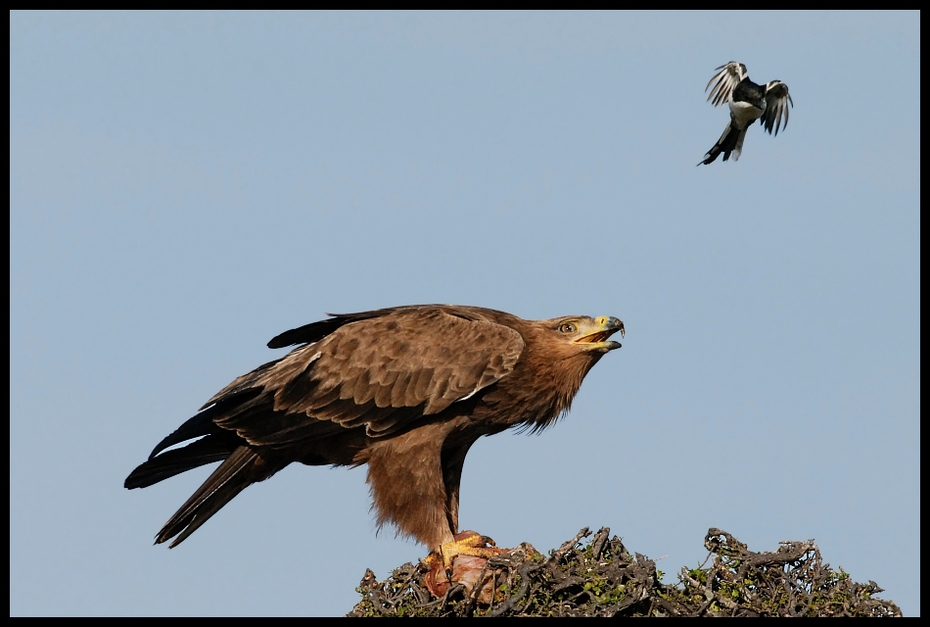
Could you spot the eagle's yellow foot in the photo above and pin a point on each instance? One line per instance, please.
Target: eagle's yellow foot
(465, 543)
(459, 561)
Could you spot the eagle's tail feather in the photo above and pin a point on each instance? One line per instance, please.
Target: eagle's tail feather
(210, 449)
(242, 468)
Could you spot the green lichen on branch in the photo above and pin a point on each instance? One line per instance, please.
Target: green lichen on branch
(599, 577)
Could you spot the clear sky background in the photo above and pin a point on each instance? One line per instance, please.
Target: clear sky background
(183, 187)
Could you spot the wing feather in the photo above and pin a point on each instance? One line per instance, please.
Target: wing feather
(421, 389)
(777, 100)
(727, 77)
(395, 394)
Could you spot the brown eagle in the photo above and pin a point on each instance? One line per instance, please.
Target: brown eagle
(406, 390)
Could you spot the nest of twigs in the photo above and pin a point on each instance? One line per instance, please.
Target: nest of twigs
(599, 577)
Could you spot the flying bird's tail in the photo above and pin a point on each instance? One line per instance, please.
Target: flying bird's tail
(730, 142)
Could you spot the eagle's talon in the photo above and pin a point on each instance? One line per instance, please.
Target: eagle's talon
(474, 549)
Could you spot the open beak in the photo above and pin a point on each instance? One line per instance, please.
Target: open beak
(598, 340)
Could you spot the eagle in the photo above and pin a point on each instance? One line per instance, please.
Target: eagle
(405, 390)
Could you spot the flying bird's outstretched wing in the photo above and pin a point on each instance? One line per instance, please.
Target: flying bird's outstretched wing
(728, 76)
(777, 100)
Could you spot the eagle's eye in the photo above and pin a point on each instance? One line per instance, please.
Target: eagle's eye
(567, 327)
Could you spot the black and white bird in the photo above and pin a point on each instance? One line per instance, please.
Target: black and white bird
(748, 102)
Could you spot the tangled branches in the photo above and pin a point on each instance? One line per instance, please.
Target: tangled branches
(601, 578)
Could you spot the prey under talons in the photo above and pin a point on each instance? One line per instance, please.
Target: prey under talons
(459, 561)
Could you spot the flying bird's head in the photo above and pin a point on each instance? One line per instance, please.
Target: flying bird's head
(589, 334)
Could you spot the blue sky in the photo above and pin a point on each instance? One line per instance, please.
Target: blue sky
(185, 186)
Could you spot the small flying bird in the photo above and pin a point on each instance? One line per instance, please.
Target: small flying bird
(404, 390)
(748, 102)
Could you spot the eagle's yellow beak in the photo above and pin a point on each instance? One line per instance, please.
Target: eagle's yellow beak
(601, 329)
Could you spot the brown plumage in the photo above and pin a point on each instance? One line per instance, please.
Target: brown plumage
(406, 390)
